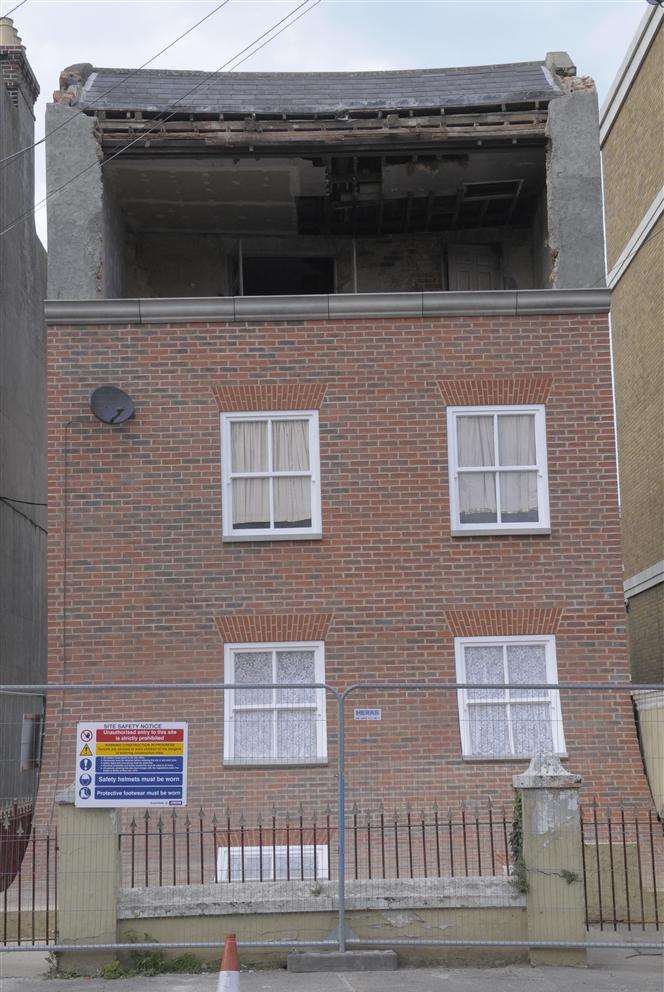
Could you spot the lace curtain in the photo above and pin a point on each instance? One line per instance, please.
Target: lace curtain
(499, 725)
(275, 724)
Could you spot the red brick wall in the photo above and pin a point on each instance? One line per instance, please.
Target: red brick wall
(148, 577)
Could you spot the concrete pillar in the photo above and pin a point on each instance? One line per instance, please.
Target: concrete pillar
(88, 881)
(650, 708)
(553, 859)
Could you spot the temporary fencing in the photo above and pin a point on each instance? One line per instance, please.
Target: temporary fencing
(373, 816)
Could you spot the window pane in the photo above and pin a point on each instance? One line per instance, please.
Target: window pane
(252, 735)
(253, 666)
(526, 663)
(292, 502)
(249, 446)
(518, 497)
(516, 439)
(475, 441)
(488, 730)
(290, 445)
(531, 728)
(484, 663)
(292, 868)
(477, 498)
(252, 864)
(296, 666)
(296, 734)
(251, 504)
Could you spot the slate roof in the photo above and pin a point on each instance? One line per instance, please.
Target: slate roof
(316, 92)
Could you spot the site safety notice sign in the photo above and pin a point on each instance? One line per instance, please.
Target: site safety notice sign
(131, 764)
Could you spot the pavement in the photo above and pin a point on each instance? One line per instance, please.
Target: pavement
(609, 970)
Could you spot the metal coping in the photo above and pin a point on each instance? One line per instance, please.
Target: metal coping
(333, 307)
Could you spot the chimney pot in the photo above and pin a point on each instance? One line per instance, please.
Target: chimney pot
(8, 34)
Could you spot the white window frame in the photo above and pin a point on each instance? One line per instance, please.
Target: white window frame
(230, 650)
(252, 854)
(543, 525)
(551, 697)
(270, 533)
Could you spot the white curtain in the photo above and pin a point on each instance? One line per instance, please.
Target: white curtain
(477, 490)
(516, 446)
(249, 446)
(475, 441)
(516, 439)
(251, 497)
(290, 452)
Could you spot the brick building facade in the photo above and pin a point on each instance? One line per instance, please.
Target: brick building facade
(415, 483)
(632, 121)
(153, 591)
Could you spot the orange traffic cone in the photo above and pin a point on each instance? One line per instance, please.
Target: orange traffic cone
(229, 974)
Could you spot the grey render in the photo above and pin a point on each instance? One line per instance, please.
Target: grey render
(22, 436)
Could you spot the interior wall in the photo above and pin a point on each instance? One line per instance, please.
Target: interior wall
(114, 263)
(405, 263)
(161, 264)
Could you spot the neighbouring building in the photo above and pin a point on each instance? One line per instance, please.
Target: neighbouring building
(363, 321)
(22, 435)
(632, 124)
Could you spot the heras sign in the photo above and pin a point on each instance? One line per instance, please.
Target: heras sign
(131, 764)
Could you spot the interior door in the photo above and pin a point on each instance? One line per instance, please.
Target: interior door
(473, 267)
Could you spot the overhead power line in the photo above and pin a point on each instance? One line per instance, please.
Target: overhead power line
(22, 151)
(289, 18)
(14, 8)
(26, 502)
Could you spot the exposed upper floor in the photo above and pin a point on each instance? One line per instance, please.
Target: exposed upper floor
(262, 184)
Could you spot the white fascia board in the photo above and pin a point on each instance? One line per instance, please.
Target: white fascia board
(629, 252)
(646, 579)
(636, 53)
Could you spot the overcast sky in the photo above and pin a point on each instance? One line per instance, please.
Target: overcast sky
(337, 34)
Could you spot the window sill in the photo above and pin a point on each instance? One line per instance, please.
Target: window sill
(318, 763)
(473, 758)
(286, 536)
(499, 531)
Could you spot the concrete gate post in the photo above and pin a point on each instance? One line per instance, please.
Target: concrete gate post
(552, 859)
(88, 881)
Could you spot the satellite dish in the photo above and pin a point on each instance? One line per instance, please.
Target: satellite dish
(110, 405)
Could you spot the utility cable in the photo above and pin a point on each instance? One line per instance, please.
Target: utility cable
(26, 502)
(24, 515)
(159, 121)
(21, 151)
(9, 12)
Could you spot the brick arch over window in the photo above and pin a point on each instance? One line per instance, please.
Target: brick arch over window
(254, 397)
(503, 623)
(492, 390)
(272, 628)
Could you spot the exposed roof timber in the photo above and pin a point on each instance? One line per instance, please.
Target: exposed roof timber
(306, 137)
(317, 143)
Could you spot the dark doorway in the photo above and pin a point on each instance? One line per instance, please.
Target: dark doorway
(288, 276)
